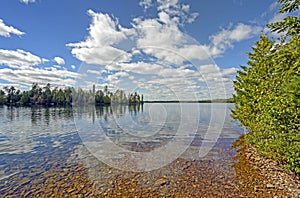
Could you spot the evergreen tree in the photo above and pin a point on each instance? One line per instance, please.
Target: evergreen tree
(267, 93)
(2, 97)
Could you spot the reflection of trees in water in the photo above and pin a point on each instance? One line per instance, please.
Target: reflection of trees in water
(92, 112)
(11, 113)
(134, 109)
(46, 116)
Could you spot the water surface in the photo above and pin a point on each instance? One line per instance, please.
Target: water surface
(117, 150)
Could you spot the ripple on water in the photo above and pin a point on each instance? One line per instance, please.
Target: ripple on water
(58, 164)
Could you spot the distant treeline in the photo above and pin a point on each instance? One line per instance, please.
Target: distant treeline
(229, 100)
(47, 96)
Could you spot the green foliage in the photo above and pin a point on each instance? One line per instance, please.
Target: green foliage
(135, 98)
(289, 5)
(2, 97)
(290, 24)
(99, 97)
(267, 99)
(25, 99)
(60, 97)
(119, 97)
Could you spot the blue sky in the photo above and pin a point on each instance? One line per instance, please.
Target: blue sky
(165, 49)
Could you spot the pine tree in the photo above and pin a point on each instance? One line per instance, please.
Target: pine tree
(268, 90)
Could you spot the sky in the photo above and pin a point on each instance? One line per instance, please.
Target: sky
(163, 49)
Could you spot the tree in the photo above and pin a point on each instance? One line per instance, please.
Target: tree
(106, 90)
(47, 95)
(25, 98)
(2, 97)
(68, 96)
(99, 97)
(290, 24)
(119, 97)
(11, 99)
(34, 94)
(267, 93)
(60, 97)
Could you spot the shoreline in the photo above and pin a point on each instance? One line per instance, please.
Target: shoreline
(244, 174)
(261, 176)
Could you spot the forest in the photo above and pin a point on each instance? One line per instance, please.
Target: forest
(48, 96)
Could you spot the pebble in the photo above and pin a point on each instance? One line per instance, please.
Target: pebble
(182, 178)
(270, 186)
(161, 182)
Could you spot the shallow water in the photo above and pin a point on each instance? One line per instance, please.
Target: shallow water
(151, 150)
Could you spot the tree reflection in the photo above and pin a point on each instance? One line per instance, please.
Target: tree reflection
(93, 113)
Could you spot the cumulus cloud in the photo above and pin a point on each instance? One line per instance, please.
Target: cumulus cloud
(59, 60)
(115, 78)
(6, 30)
(19, 58)
(226, 37)
(155, 52)
(39, 75)
(98, 48)
(20, 70)
(153, 33)
(27, 1)
(159, 37)
(96, 72)
(105, 34)
(166, 41)
(16, 85)
(179, 12)
(145, 4)
(136, 67)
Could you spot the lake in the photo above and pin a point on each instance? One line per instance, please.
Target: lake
(156, 149)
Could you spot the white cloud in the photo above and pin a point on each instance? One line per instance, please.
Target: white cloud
(44, 60)
(179, 12)
(226, 37)
(136, 67)
(19, 58)
(38, 75)
(59, 60)
(100, 55)
(274, 6)
(96, 72)
(115, 78)
(278, 17)
(166, 4)
(167, 42)
(16, 85)
(27, 1)
(153, 33)
(170, 88)
(170, 58)
(73, 66)
(145, 4)
(242, 32)
(229, 72)
(159, 37)
(104, 32)
(6, 31)
(168, 82)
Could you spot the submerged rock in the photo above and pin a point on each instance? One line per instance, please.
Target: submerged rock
(161, 182)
